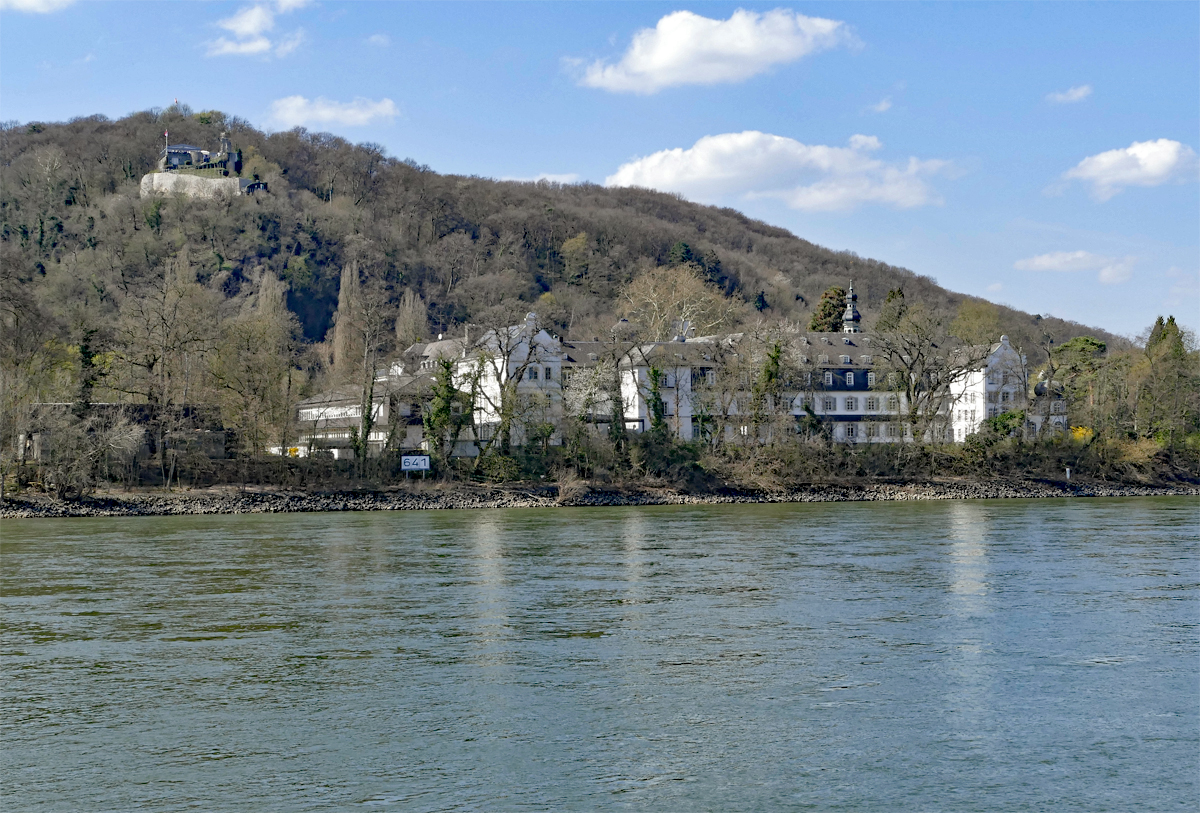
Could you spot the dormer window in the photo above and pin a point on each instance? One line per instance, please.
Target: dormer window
(823, 358)
(846, 340)
(845, 359)
(865, 359)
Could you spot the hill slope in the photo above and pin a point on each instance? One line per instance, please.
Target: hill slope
(75, 237)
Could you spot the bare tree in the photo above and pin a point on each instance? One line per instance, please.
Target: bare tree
(920, 356)
(661, 301)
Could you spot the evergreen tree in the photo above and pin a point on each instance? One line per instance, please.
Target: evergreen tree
(827, 317)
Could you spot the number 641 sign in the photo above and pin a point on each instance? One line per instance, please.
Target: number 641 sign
(414, 462)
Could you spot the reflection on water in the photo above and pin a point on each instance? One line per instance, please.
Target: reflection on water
(1007, 655)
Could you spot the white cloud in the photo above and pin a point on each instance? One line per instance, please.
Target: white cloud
(1142, 163)
(250, 27)
(808, 177)
(995, 288)
(297, 111)
(34, 6)
(565, 177)
(224, 47)
(1111, 269)
(290, 43)
(687, 49)
(1075, 94)
(251, 21)
(883, 106)
(379, 40)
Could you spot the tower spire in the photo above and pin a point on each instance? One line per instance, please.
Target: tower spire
(851, 318)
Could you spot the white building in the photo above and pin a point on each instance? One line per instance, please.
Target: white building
(999, 385)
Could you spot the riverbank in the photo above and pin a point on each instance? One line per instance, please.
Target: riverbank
(459, 495)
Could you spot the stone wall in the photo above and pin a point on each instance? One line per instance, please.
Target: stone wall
(174, 183)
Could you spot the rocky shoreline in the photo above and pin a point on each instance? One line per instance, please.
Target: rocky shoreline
(458, 496)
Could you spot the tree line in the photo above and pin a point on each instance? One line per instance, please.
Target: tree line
(249, 304)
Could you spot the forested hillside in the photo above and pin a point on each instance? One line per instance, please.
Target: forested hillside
(247, 304)
(72, 218)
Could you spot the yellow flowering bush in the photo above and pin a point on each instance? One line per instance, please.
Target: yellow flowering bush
(1082, 434)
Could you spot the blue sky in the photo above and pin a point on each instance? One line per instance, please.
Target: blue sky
(1041, 155)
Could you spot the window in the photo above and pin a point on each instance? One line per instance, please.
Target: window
(891, 430)
(893, 403)
(870, 379)
(845, 359)
(745, 430)
(851, 431)
(851, 404)
(865, 360)
(804, 359)
(1005, 397)
(872, 404)
(872, 430)
(549, 373)
(830, 405)
(849, 379)
(828, 379)
(533, 374)
(991, 412)
(823, 358)
(991, 397)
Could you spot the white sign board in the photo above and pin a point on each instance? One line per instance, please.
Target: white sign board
(414, 462)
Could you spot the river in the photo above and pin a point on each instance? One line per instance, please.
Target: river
(962, 656)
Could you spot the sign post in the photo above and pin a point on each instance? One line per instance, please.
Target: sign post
(414, 462)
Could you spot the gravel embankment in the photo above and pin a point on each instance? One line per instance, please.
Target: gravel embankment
(282, 502)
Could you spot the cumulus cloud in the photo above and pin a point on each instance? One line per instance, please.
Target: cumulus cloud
(250, 27)
(1075, 94)
(1111, 269)
(806, 177)
(995, 288)
(224, 47)
(883, 106)
(34, 6)
(687, 49)
(297, 111)
(1142, 163)
(379, 40)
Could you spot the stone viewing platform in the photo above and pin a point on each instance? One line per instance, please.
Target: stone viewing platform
(229, 500)
(184, 169)
(196, 186)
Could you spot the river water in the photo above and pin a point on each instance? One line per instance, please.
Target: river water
(970, 655)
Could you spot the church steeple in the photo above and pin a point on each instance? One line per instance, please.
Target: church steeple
(850, 318)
